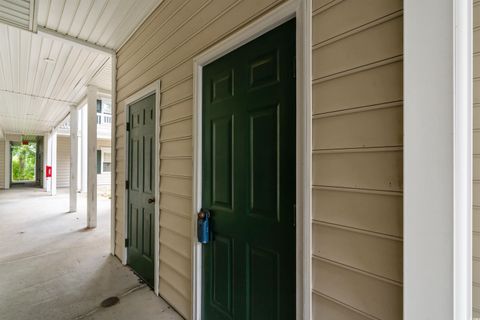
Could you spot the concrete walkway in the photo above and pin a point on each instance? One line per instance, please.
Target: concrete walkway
(51, 267)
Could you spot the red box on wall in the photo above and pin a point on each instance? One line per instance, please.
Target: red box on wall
(48, 171)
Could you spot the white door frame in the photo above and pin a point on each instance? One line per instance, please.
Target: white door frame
(301, 10)
(153, 88)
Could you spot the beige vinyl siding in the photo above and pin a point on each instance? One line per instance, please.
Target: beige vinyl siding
(357, 142)
(2, 164)
(357, 159)
(476, 159)
(163, 48)
(63, 161)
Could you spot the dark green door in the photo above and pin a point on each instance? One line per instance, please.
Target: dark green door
(249, 180)
(141, 189)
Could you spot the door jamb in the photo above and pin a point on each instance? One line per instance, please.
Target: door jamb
(302, 11)
(153, 88)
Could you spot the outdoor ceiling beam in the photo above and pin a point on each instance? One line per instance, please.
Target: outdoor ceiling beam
(74, 41)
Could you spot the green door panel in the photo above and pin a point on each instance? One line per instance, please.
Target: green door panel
(141, 174)
(249, 180)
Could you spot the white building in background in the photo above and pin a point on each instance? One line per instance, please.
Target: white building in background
(104, 127)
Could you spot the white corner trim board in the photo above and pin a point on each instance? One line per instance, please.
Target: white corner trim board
(437, 159)
(153, 88)
(301, 10)
(113, 145)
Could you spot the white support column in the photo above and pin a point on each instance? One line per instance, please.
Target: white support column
(437, 159)
(84, 150)
(92, 93)
(79, 151)
(53, 149)
(47, 160)
(73, 157)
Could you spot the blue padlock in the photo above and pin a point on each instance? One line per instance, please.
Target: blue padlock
(203, 226)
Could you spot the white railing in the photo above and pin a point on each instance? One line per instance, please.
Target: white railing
(104, 123)
(65, 125)
(104, 119)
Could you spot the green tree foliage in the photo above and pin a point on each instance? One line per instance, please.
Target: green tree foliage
(23, 162)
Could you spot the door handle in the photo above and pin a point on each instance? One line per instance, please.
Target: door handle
(151, 200)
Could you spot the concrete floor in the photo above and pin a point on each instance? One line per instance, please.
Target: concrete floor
(51, 267)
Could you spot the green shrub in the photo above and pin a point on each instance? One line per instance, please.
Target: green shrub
(23, 162)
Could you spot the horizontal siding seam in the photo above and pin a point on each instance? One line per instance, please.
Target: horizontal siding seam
(187, 299)
(186, 40)
(173, 194)
(358, 190)
(181, 138)
(184, 118)
(175, 250)
(175, 157)
(351, 32)
(357, 230)
(175, 176)
(168, 105)
(152, 18)
(164, 226)
(177, 83)
(358, 69)
(318, 151)
(186, 276)
(347, 306)
(325, 7)
(359, 271)
(175, 213)
(360, 109)
(122, 73)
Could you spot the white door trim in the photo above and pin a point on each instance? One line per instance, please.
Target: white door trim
(153, 88)
(301, 10)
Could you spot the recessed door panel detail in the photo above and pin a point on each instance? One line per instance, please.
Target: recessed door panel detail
(222, 86)
(264, 284)
(248, 180)
(222, 157)
(141, 190)
(147, 231)
(222, 279)
(148, 164)
(264, 174)
(264, 69)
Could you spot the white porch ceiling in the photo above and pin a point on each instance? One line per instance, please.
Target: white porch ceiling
(41, 75)
(107, 23)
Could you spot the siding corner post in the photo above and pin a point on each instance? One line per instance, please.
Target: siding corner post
(73, 157)
(113, 140)
(92, 93)
(437, 159)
